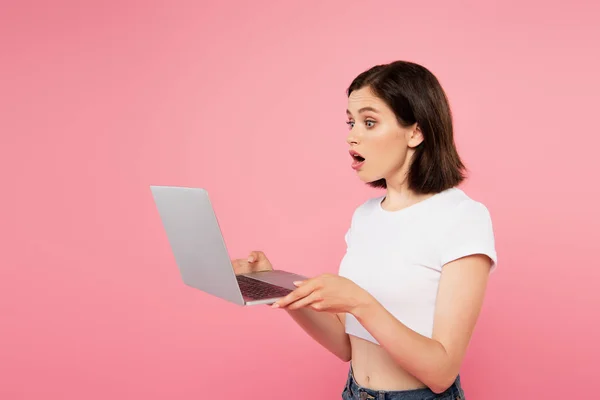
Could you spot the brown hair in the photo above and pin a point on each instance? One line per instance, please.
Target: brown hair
(415, 95)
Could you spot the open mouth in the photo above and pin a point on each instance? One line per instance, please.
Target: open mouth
(356, 157)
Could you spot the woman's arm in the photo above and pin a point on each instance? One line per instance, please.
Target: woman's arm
(327, 329)
(436, 361)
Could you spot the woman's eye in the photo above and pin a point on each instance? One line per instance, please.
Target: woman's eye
(370, 122)
(350, 124)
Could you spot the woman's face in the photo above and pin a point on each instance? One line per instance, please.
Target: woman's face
(378, 138)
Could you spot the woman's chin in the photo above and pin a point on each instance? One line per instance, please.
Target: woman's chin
(366, 178)
(362, 176)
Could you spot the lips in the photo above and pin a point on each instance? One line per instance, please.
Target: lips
(356, 156)
(358, 160)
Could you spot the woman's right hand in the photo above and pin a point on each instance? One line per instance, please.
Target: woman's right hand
(256, 262)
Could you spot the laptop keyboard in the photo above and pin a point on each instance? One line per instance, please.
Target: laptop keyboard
(256, 290)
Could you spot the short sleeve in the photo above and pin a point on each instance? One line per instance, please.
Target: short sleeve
(470, 233)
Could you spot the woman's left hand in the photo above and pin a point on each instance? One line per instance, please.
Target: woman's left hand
(327, 292)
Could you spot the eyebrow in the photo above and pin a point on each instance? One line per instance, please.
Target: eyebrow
(363, 110)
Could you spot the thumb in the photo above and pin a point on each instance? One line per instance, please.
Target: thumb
(255, 256)
(252, 257)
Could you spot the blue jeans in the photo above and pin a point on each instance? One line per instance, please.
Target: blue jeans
(353, 391)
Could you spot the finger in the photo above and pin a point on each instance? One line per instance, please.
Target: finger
(305, 301)
(254, 256)
(240, 266)
(295, 295)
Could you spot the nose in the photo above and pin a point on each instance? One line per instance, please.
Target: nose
(352, 137)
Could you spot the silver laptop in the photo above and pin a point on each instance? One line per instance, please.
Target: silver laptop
(200, 253)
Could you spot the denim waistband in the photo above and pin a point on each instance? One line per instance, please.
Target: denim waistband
(353, 391)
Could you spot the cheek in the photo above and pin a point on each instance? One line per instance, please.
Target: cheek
(390, 149)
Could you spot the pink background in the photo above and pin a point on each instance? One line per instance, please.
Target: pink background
(99, 101)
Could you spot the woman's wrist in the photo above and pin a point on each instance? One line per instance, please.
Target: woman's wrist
(364, 303)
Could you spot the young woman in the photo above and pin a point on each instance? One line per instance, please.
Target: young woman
(412, 282)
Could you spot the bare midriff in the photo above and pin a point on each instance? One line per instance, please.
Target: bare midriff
(374, 368)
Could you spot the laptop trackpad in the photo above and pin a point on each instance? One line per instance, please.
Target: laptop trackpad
(280, 278)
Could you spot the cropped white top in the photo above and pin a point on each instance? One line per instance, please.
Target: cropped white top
(398, 256)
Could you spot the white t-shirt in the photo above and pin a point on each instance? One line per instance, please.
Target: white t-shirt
(398, 256)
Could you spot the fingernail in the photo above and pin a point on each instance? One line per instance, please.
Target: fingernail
(250, 259)
(297, 283)
(275, 305)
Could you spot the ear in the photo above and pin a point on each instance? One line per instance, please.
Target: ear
(415, 136)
